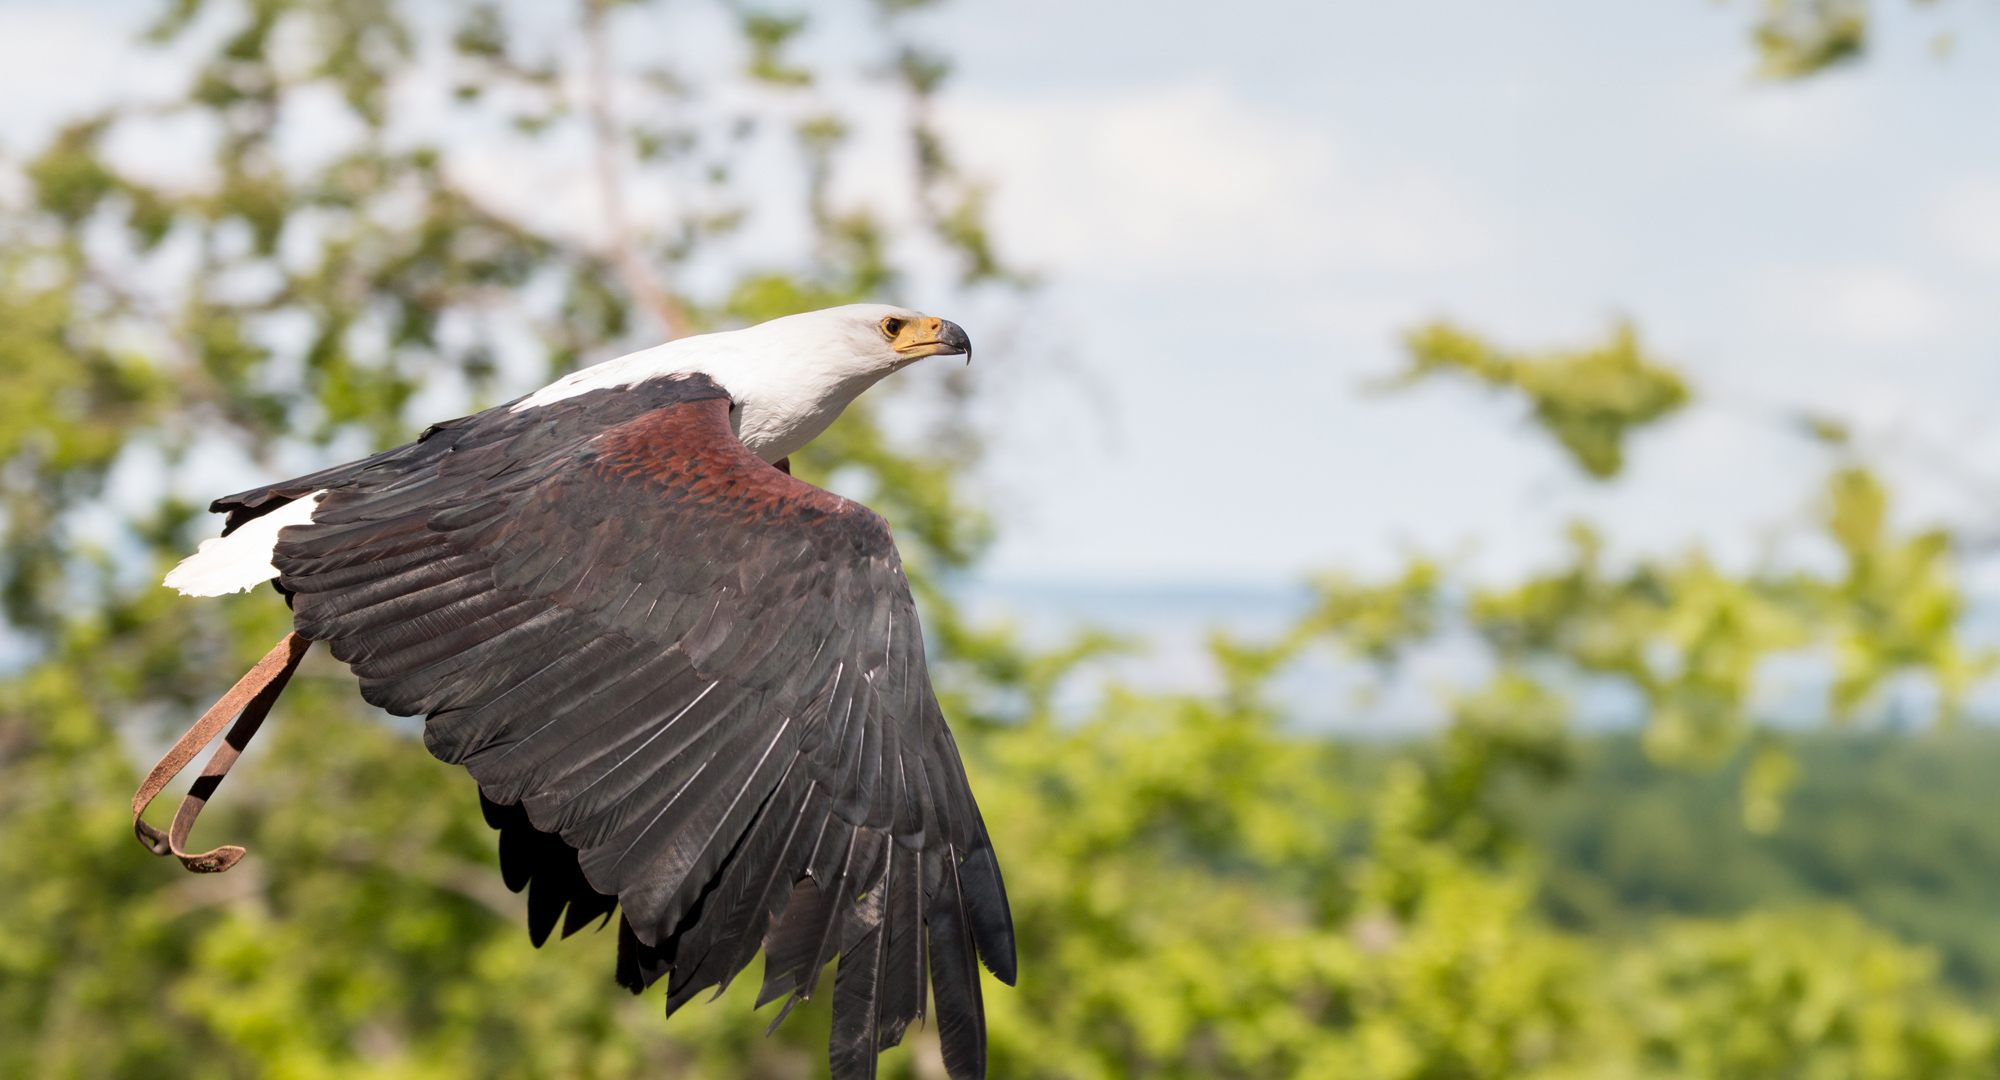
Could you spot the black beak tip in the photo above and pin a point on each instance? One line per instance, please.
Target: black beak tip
(953, 336)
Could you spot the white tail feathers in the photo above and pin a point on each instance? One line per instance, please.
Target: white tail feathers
(242, 559)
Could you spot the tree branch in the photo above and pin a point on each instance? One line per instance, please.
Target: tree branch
(633, 272)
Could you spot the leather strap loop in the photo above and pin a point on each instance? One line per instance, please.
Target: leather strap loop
(253, 695)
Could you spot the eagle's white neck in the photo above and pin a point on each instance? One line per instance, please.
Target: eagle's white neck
(788, 378)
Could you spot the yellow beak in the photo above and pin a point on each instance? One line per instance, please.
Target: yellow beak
(925, 336)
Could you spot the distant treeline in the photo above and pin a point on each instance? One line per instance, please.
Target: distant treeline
(1904, 828)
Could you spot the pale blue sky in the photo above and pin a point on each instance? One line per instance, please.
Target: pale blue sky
(1291, 185)
(1238, 207)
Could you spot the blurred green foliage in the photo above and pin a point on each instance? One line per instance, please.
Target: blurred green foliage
(1590, 399)
(1803, 993)
(1797, 39)
(1201, 888)
(1895, 824)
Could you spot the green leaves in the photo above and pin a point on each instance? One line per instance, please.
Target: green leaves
(1899, 605)
(768, 35)
(1812, 992)
(73, 402)
(1688, 636)
(1589, 399)
(1798, 38)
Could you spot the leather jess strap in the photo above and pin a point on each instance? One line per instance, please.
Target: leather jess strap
(253, 696)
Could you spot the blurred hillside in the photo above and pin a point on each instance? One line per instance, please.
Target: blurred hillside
(1899, 826)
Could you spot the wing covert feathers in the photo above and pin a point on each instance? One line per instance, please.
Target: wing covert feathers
(692, 691)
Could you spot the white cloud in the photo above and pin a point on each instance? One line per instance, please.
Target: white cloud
(1194, 180)
(1967, 218)
(1882, 305)
(1809, 121)
(43, 48)
(1870, 305)
(52, 64)
(61, 61)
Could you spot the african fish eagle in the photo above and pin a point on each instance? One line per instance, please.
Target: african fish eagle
(691, 688)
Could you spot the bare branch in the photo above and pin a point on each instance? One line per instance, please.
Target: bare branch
(633, 272)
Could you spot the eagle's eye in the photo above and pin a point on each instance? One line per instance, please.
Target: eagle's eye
(892, 326)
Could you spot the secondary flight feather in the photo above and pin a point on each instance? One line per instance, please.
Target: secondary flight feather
(691, 688)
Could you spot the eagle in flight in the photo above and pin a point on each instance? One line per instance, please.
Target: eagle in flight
(691, 688)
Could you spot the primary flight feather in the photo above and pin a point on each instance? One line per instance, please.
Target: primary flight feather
(692, 688)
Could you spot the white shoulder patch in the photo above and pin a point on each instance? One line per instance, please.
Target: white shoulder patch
(681, 357)
(241, 560)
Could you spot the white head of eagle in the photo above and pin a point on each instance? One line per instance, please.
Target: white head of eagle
(788, 378)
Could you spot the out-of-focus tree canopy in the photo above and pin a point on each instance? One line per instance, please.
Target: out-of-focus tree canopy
(1895, 824)
(1589, 399)
(1202, 888)
(1689, 639)
(1797, 39)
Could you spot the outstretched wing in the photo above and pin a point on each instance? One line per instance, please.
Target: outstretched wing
(683, 680)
